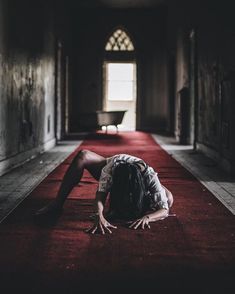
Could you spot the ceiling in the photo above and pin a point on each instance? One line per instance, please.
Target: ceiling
(119, 3)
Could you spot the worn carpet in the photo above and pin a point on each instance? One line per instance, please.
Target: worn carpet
(191, 251)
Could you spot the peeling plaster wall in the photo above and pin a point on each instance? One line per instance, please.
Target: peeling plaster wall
(26, 81)
(214, 24)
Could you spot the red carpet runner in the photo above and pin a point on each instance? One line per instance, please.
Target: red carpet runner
(194, 249)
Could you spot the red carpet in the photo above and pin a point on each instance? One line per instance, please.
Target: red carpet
(193, 250)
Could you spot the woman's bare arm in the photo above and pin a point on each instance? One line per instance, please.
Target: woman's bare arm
(158, 215)
(100, 223)
(169, 196)
(100, 202)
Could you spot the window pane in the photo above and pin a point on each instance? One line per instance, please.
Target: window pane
(120, 81)
(121, 71)
(120, 41)
(120, 90)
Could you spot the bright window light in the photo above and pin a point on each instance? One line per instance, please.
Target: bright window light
(121, 81)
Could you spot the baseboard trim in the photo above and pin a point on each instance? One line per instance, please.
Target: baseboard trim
(222, 162)
(20, 158)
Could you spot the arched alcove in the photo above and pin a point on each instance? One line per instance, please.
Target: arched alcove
(119, 76)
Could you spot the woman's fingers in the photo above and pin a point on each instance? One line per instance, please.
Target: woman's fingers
(106, 228)
(89, 230)
(111, 226)
(143, 222)
(101, 227)
(132, 224)
(138, 222)
(94, 229)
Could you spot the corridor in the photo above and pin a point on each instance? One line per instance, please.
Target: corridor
(151, 78)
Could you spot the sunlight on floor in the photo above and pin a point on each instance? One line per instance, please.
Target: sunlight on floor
(122, 128)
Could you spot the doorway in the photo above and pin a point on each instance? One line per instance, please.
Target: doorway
(119, 77)
(120, 91)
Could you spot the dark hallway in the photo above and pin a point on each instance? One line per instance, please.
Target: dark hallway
(151, 78)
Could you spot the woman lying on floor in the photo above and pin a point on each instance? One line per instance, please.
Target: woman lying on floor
(135, 192)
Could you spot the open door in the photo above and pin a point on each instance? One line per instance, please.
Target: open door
(120, 91)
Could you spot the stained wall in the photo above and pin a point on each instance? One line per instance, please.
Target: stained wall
(27, 87)
(212, 96)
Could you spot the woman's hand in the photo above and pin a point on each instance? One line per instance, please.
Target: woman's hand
(101, 225)
(142, 222)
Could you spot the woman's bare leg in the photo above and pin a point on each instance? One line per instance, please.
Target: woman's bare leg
(85, 159)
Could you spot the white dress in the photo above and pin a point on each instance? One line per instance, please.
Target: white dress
(155, 191)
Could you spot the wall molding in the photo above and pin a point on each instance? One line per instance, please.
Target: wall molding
(225, 164)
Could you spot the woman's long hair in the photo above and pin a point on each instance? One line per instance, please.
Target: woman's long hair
(127, 191)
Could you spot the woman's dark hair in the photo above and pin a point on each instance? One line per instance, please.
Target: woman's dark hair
(127, 191)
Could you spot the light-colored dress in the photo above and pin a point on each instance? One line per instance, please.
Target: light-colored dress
(155, 191)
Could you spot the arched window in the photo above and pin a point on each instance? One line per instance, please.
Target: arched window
(119, 41)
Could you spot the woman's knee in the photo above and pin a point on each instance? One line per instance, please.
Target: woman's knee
(82, 157)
